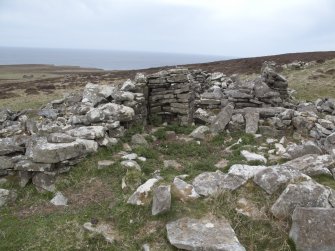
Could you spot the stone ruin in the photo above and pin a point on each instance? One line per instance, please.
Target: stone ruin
(39, 144)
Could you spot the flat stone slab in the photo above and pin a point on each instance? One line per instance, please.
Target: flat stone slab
(312, 164)
(313, 229)
(203, 234)
(141, 196)
(304, 194)
(275, 177)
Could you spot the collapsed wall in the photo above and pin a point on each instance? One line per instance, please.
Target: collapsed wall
(39, 144)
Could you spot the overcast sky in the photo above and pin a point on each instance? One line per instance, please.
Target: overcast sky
(215, 27)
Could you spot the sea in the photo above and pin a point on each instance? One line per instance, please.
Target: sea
(102, 59)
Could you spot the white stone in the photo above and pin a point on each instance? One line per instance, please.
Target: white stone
(59, 200)
(253, 156)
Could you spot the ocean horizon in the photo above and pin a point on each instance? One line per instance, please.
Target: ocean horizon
(102, 59)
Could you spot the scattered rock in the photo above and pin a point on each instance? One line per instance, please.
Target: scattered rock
(183, 190)
(130, 156)
(161, 200)
(130, 164)
(200, 132)
(44, 182)
(248, 209)
(203, 234)
(140, 196)
(59, 200)
(295, 151)
(275, 177)
(253, 156)
(105, 163)
(251, 119)
(139, 140)
(222, 164)
(313, 228)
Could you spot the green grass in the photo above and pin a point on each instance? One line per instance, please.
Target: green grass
(62, 229)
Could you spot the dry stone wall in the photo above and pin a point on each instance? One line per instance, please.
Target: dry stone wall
(39, 144)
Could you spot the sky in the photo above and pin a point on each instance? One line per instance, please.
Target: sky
(237, 28)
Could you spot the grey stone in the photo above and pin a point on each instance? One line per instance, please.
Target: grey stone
(45, 152)
(128, 85)
(9, 145)
(312, 229)
(91, 146)
(303, 194)
(203, 234)
(312, 164)
(28, 165)
(24, 178)
(141, 196)
(309, 147)
(204, 116)
(249, 209)
(161, 200)
(59, 200)
(208, 183)
(139, 140)
(44, 182)
(60, 138)
(87, 132)
(6, 196)
(251, 122)
(275, 177)
(200, 132)
(253, 156)
(48, 113)
(184, 190)
(6, 163)
(130, 164)
(222, 119)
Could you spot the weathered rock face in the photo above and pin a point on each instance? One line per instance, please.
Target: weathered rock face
(44, 182)
(304, 194)
(87, 132)
(313, 228)
(203, 234)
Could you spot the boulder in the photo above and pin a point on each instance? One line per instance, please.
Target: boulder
(161, 200)
(90, 145)
(183, 190)
(203, 116)
(313, 229)
(141, 196)
(200, 132)
(209, 183)
(309, 147)
(275, 177)
(203, 234)
(222, 119)
(245, 171)
(128, 85)
(44, 152)
(312, 164)
(303, 194)
(139, 140)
